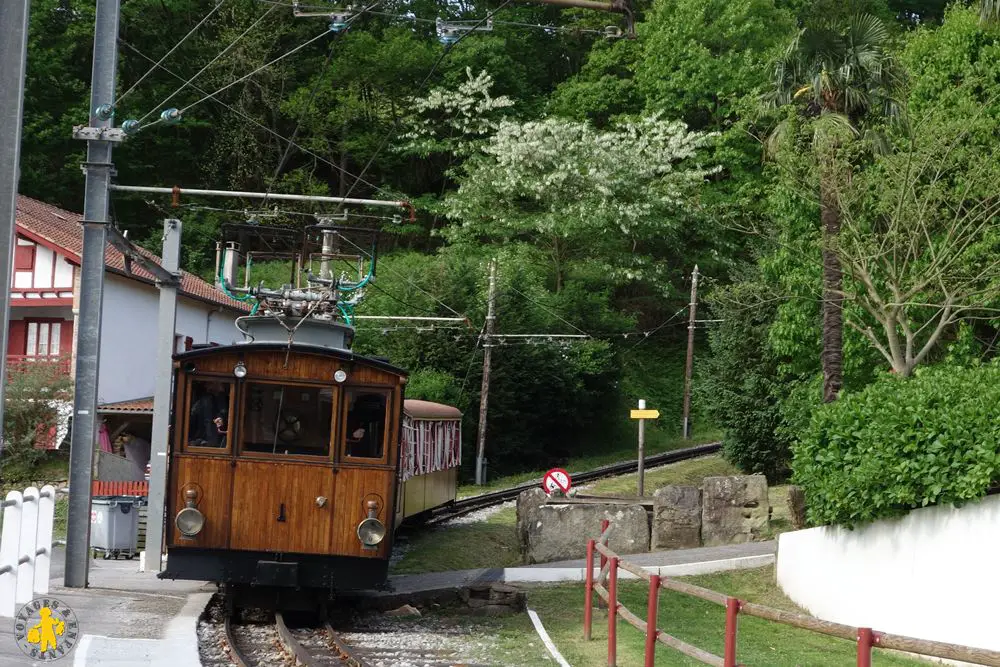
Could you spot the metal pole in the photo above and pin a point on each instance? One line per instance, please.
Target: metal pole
(259, 195)
(484, 394)
(690, 353)
(167, 319)
(13, 62)
(95, 218)
(642, 447)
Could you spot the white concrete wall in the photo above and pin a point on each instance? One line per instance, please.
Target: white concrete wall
(128, 335)
(931, 574)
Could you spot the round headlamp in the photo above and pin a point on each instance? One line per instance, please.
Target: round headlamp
(189, 521)
(240, 371)
(340, 375)
(371, 532)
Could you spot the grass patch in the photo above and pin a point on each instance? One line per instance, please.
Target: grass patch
(690, 619)
(656, 443)
(60, 518)
(490, 543)
(689, 472)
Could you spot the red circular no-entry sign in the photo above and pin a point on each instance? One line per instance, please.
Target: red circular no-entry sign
(556, 479)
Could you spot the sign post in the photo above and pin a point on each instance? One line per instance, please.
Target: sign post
(555, 480)
(642, 414)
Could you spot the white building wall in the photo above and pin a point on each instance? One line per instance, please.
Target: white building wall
(129, 335)
(931, 574)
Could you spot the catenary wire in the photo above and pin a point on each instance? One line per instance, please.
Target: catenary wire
(189, 81)
(255, 122)
(167, 55)
(550, 312)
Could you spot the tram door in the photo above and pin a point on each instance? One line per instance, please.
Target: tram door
(366, 467)
(284, 484)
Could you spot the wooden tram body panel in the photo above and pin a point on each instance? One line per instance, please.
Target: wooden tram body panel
(284, 483)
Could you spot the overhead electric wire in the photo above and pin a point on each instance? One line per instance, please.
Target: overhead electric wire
(427, 78)
(190, 81)
(550, 312)
(167, 55)
(255, 122)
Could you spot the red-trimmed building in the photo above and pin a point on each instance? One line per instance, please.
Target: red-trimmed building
(45, 299)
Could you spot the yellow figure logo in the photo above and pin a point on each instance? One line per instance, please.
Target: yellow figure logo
(46, 629)
(43, 634)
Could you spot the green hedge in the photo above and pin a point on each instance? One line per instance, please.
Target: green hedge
(902, 443)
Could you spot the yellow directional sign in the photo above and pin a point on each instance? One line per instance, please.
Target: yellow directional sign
(645, 414)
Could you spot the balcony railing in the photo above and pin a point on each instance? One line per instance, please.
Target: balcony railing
(22, 362)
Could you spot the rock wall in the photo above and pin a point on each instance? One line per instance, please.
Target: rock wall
(560, 532)
(735, 509)
(676, 518)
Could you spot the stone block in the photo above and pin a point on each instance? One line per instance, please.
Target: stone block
(528, 503)
(676, 518)
(734, 509)
(560, 532)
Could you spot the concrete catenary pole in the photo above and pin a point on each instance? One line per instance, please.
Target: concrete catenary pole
(693, 306)
(485, 393)
(13, 63)
(166, 327)
(95, 220)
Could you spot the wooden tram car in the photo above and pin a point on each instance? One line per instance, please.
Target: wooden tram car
(293, 460)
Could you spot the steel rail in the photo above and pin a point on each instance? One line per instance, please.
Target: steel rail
(347, 656)
(291, 644)
(473, 503)
(234, 652)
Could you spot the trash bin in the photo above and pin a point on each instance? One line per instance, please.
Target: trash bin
(114, 526)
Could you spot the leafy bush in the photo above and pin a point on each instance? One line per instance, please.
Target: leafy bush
(741, 384)
(902, 443)
(32, 392)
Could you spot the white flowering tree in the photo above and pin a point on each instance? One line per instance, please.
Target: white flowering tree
(616, 200)
(450, 121)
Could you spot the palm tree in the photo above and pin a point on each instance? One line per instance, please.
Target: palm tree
(839, 77)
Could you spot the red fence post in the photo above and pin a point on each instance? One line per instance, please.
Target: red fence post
(732, 610)
(865, 640)
(613, 613)
(589, 586)
(651, 607)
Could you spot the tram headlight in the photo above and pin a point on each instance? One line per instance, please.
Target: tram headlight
(189, 521)
(371, 532)
(340, 375)
(240, 371)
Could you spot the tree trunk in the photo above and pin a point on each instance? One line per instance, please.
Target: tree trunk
(832, 355)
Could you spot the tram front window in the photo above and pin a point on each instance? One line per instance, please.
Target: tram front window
(208, 423)
(287, 419)
(365, 423)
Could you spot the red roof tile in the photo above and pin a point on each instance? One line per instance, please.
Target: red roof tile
(54, 226)
(138, 405)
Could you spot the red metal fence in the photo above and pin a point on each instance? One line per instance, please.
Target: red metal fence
(606, 588)
(104, 488)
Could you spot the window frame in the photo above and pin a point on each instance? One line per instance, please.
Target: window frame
(242, 453)
(186, 421)
(386, 391)
(38, 322)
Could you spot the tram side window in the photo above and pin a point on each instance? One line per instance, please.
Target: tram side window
(365, 423)
(208, 422)
(287, 419)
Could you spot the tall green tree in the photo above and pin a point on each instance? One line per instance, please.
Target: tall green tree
(839, 77)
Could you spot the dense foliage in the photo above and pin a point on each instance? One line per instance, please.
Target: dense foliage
(771, 134)
(33, 394)
(902, 443)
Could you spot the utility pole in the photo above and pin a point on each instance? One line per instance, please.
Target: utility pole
(167, 315)
(693, 306)
(99, 135)
(485, 393)
(13, 63)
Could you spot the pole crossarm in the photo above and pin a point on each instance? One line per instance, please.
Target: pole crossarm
(131, 254)
(176, 192)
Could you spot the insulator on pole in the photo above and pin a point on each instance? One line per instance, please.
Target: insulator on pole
(612, 32)
(170, 116)
(130, 126)
(450, 32)
(104, 112)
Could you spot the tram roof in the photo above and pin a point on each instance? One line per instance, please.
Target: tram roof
(428, 410)
(318, 350)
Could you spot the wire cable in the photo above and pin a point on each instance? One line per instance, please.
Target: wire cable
(176, 46)
(210, 63)
(255, 122)
(427, 78)
(550, 312)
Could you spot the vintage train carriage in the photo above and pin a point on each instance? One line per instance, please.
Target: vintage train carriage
(284, 461)
(430, 454)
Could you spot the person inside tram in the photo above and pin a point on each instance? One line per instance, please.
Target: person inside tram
(209, 416)
(364, 419)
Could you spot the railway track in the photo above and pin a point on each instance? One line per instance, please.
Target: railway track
(473, 503)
